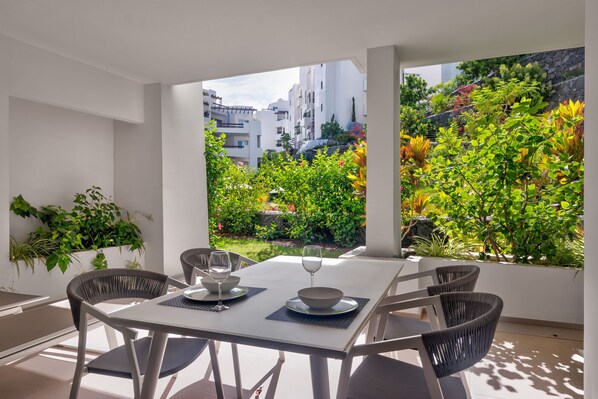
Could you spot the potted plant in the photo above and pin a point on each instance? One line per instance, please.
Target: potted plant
(94, 223)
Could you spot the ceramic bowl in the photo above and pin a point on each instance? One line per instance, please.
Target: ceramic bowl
(320, 297)
(211, 285)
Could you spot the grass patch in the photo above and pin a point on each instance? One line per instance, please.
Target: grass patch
(261, 250)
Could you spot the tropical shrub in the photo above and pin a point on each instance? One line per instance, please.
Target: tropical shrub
(415, 92)
(471, 71)
(233, 200)
(413, 121)
(442, 98)
(532, 75)
(320, 195)
(507, 181)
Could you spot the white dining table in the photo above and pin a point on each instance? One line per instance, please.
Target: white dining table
(245, 322)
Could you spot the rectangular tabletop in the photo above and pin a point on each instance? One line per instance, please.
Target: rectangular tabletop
(283, 276)
(10, 300)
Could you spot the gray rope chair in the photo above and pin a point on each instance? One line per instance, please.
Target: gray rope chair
(468, 323)
(456, 278)
(129, 360)
(195, 262)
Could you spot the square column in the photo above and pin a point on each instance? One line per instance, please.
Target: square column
(159, 168)
(383, 212)
(590, 200)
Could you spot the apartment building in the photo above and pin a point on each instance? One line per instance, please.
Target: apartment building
(275, 122)
(239, 123)
(325, 90)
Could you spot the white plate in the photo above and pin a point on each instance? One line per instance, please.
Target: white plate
(203, 295)
(346, 305)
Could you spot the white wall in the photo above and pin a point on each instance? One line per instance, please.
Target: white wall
(138, 173)
(591, 196)
(55, 153)
(27, 72)
(45, 77)
(268, 128)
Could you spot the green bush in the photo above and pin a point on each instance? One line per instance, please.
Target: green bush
(531, 75)
(509, 181)
(320, 200)
(413, 122)
(471, 71)
(415, 92)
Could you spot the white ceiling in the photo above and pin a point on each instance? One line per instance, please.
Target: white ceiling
(177, 41)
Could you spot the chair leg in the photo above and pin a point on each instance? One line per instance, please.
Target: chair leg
(80, 358)
(463, 377)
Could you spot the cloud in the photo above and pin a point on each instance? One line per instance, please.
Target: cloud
(257, 90)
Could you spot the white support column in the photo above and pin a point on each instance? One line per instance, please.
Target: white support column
(591, 198)
(183, 173)
(5, 267)
(383, 214)
(159, 168)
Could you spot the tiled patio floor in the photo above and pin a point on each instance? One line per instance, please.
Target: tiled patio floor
(527, 362)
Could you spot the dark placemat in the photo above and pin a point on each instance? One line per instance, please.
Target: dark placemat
(181, 302)
(337, 321)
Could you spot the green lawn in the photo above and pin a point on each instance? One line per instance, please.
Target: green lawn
(262, 250)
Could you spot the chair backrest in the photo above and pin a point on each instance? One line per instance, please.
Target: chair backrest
(107, 284)
(471, 319)
(457, 278)
(200, 257)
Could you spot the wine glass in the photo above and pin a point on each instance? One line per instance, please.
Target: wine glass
(312, 260)
(220, 269)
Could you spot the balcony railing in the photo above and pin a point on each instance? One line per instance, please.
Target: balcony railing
(223, 124)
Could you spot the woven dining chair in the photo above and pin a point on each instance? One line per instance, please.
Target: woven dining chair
(455, 278)
(128, 360)
(195, 262)
(468, 323)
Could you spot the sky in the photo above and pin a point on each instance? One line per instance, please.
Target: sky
(257, 90)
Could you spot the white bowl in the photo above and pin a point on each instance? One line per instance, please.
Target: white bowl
(320, 297)
(212, 285)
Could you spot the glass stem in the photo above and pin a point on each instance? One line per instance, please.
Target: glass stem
(219, 294)
(312, 279)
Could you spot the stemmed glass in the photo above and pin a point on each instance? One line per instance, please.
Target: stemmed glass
(220, 269)
(312, 260)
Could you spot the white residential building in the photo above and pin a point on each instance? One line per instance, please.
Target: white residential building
(325, 90)
(433, 74)
(243, 131)
(275, 121)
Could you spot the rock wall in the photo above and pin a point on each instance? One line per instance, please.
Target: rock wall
(560, 65)
(572, 89)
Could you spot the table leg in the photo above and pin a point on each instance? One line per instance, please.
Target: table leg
(319, 377)
(154, 364)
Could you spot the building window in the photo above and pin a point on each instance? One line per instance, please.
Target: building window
(321, 85)
(278, 143)
(279, 130)
(259, 141)
(321, 107)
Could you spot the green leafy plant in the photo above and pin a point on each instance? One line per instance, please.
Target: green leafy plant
(505, 182)
(331, 130)
(441, 246)
(476, 69)
(94, 222)
(415, 92)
